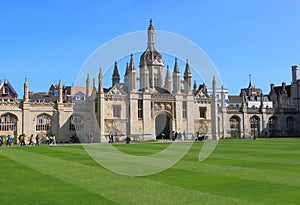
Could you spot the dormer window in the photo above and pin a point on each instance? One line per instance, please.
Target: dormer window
(5, 90)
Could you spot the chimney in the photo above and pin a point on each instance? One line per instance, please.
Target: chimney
(294, 73)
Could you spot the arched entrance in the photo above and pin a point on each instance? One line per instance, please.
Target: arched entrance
(255, 126)
(163, 126)
(235, 131)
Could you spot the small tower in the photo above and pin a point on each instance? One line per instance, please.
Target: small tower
(132, 75)
(214, 117)
(168, 81)
(294, 73)
(100, 82)
(176, 78)
(94, 83)
(151, 36)
(87, 86)
(115, 77)
(60, 92)
(195, 87)
(25, 97)
(187, 78)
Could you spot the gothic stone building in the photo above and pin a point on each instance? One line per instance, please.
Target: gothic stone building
(150, 106)
(253, 114)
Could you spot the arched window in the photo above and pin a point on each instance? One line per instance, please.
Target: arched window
(43, 123)
(235, 126)
(290, 123)
(76, 123)
(272, 123)
(255, 126)
(8, 122)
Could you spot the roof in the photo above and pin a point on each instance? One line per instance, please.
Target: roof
(6, 82)
(43, 97)
(234, 99)
(278, 90)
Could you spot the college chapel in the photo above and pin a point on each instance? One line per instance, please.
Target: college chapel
(164, 102)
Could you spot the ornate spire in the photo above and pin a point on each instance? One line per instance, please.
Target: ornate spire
(115, 76)
(25, 97)
(187, 78)
(168, 82)
(60, 92)
(151, 37)
(100, 80)
(195, 86)
(176, 69)
(131, 65)
(187, 68)
(87, 86)
(127, 69)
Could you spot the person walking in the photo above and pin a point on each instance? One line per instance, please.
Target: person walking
(47, 139)
(37, 140)
(31, 140)
(8, 142)
(1, 141)
(184, 135)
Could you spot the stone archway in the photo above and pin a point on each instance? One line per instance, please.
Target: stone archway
(235, 127)
(163, 126)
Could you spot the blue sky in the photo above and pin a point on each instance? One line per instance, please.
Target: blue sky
(50, 40)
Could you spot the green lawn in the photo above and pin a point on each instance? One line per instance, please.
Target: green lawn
(237, 172)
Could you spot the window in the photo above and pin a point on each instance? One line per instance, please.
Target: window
(202, 111)
(43, 123)
(76, 123)
(140, 109)
(117, 111)
(272, 123)
(290, 122)
(184, 109)
(234, 127)
(8, 123)
(5, 90)
(255, 126)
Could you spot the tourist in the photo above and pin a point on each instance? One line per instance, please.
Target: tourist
(176, 135)
(8, 141)
(112, 138)
(1, 141)
(54, 139)
(37, 140)
(184, 135)
(197, 136)
(31, 140)
(173, 135)
(47, 139)
(23, 140)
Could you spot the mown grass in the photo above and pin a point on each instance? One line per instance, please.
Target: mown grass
(237, 172)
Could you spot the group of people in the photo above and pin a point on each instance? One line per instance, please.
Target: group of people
(50, 140)
(33, 141)
(179, 135)
(5, 139)
(200, 138)
(111, 137)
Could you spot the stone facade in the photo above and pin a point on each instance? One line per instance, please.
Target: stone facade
(150, 106)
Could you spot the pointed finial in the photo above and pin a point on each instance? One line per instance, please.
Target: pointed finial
(131, 64)
(187, 68)
(150, 25)
(94, 82)
(176, 69)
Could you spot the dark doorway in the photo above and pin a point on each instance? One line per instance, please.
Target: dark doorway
(163, 126)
